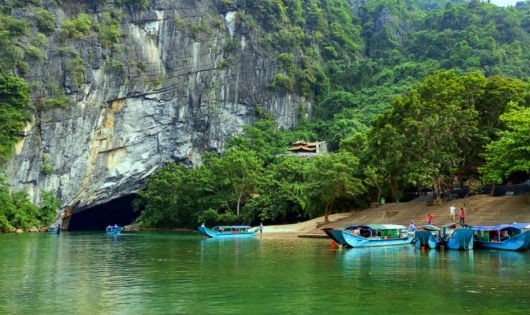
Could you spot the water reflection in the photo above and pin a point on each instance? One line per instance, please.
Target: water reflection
(171, 273)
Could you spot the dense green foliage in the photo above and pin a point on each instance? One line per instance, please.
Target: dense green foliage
(435, 133)
(14, 112)
(251, 182)
(17, 212)
(511, 152)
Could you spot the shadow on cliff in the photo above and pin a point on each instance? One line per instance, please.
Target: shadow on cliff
(118, 211)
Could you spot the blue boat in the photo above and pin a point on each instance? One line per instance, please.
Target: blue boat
(456, 237)
(371, 235)
(514, 236)
(223, 231)
(113, 230)
(336, 235)
(428, 236)
(55, 229)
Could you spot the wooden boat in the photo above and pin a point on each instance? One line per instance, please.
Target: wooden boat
(428, 236)
(228, 231)
(113, 230)
(455, 237)
(376, 235)
(514, 236)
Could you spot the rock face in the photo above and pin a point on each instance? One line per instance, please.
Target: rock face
(168, 90)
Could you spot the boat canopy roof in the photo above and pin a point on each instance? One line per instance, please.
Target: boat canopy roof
(224, 227)
(377, 226)
(515, 226)
(428, 227)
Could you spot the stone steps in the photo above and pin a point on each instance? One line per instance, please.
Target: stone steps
(480, 210)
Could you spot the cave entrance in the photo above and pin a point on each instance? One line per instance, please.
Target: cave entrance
(118, 211)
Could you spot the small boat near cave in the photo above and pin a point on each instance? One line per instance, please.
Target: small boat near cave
(371, 235)
(222, 231)
(113, 230)
(515, 236)
(55, 229)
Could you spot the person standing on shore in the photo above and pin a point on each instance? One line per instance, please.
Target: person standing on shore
(462, 216)
(430, 218)
(452, 210)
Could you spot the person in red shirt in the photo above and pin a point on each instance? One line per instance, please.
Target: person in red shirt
(462, 216)
(430, 218)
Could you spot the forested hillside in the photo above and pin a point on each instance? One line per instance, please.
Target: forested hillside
(409, 95)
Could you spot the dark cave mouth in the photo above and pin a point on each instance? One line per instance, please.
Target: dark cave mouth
(118, 211)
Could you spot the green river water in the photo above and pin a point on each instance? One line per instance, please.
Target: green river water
(181, 273)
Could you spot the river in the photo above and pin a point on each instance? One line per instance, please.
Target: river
(181, 273)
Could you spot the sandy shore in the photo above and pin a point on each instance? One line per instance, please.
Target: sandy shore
(306, 228)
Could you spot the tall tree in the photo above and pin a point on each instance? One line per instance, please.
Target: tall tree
(333, 176)
(237, 172)
(430, 125)
(511, 152)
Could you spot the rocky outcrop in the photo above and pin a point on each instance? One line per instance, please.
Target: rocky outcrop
(168, 90)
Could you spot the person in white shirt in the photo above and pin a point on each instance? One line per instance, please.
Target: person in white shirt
(452, 210)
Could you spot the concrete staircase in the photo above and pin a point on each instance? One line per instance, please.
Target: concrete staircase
(480, 210)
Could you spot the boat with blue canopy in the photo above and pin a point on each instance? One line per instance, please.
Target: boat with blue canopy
(371, 235)
(428, 236)
(515, 236)
(221, 231)
(113, 230)
(456, 237)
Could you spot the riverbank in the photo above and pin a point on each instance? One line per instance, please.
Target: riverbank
(480, 210)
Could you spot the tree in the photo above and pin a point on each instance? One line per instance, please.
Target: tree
(281, 192)
(333, 176)
(511, 152)
(163, 201)
(49, 207)
(236, 174)
(427, 130)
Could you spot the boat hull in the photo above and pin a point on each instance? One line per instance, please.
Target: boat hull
(114, 231)
(336, 235)
(358, 241)
(519, 242)
(216, 234)
(460, 239)
(426, 239)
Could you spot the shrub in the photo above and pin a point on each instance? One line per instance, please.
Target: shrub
(77, 27)
(45, 21)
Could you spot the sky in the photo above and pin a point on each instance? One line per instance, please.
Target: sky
(504, 2)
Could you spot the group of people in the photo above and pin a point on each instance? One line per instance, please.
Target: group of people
(430, 218)
(452, 214)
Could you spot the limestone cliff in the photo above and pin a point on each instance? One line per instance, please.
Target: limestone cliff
(181, 78)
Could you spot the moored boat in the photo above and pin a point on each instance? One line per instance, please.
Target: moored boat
(376, 235)
(456, 237)
(428, 236)
(514, 236)
(336, 236)
(113, 230)
(228, 231)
